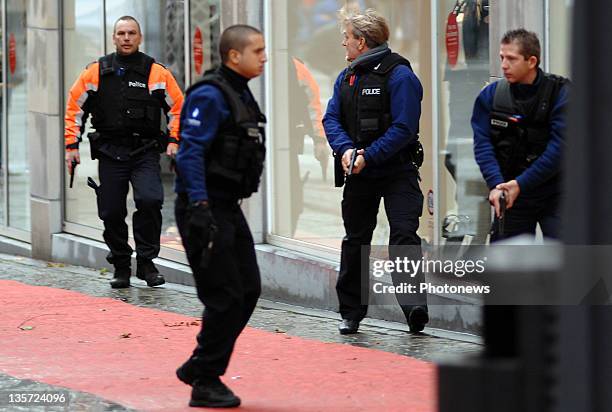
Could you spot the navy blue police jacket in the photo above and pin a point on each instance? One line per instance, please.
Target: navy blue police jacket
(406, 94)
(546, 167)
(203, 112)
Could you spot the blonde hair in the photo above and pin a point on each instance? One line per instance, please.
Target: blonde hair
(370, 25)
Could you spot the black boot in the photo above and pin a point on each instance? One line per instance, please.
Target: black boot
(186, 373)
(121, 277)
(146, 270)
(348, 327)
(212, 393)
(417, 319)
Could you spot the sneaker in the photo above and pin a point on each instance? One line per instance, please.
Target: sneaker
(417, 319)
(146, 270)
(212, 393)
(121, 278)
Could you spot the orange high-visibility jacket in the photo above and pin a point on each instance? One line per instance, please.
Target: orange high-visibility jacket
(307, 80)
(160, 79)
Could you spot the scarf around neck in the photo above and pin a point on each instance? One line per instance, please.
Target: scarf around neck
(371, 56)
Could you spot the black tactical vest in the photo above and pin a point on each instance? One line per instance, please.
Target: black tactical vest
(235, 161)
(123, 107)
(520, 130)
(366, 109)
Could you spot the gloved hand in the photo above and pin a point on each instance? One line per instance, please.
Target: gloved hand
(201, 232)
(200, 216)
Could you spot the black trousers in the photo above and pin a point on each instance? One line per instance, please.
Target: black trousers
(229, 287)
(502, 321)
(143, 172)
(361, 199)
(529, 210)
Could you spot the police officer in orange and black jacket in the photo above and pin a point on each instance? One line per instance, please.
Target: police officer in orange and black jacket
(126, 92)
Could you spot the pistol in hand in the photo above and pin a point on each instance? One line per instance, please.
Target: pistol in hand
(72, 171)
(352, 163)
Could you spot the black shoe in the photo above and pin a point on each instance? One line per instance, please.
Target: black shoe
(185, 373)
(212, 393)
(417, 319)
(121, 278)
(146, 270)
(347, 327)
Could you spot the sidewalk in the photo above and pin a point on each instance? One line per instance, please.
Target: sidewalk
(117, 349)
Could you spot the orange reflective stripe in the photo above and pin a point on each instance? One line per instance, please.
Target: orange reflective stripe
(161, 78)
(89, 80)
(306, 78)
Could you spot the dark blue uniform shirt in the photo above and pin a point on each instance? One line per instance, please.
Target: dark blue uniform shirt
(545, 167)
(204, 110)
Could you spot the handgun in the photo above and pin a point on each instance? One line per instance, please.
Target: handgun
(207, 251)
(92, 183)
(502, 214)
(72, 171)
(352, 163)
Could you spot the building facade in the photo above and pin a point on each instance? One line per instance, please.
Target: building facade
(295, 217)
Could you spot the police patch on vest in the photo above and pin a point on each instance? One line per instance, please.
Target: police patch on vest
(367, 92)
(499, 123)
(137, 84)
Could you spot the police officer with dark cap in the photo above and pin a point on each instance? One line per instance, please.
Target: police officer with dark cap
(220, 162)
(375, 111)
(519, 126)
(126, 93)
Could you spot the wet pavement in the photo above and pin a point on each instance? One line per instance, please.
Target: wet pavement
(312, 324)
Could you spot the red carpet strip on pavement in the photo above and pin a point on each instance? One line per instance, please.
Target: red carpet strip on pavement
(128, 354)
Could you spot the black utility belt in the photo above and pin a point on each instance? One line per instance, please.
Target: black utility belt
(129, 140)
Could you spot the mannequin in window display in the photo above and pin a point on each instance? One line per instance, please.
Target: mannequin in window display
(465, 81)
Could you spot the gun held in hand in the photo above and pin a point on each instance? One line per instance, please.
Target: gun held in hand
(352, 163)
(502, 214)
(72, 171)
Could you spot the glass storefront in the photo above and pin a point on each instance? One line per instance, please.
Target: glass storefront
(83, 37)
(463, 70)
(15, 170)
(559, 24)
(306, 56)
(2, 120)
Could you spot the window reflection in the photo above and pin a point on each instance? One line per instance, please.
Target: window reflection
(17, 138)
(83, 36)
(306, 205)
(465, 212)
